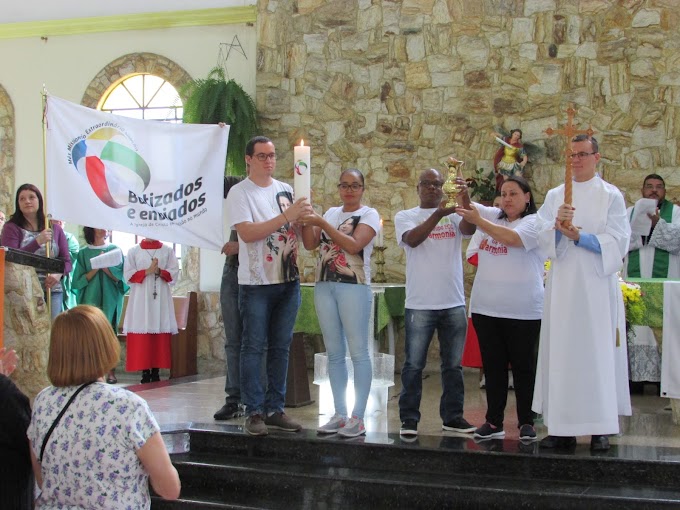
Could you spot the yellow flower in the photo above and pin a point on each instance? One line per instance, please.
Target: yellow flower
(632, 300)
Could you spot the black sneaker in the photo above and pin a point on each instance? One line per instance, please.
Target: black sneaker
(228, 411)
(488, 431)
(409, 428)
(458, 425)
(527, 433)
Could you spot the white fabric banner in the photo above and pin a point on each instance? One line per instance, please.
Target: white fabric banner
(670, 352)
(155, 179)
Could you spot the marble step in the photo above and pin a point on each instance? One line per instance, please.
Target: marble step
(656, 467)
(210, 480)
(186, 503)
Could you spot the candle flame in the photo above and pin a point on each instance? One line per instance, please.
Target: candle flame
(380, 222)
(302, 143)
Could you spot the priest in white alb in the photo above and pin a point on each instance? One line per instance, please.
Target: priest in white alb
(582, 380)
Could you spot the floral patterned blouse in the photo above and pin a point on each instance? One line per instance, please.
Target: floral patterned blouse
(90, 460)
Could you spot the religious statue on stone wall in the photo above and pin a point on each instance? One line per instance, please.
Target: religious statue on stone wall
(511, 157)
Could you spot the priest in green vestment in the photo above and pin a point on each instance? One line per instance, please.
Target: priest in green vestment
(646, 260)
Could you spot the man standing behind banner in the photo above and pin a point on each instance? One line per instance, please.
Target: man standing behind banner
(231, 319)
(646, 260)
(269, 295)
(581, 380)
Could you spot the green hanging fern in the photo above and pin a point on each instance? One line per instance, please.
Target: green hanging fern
(216, 99)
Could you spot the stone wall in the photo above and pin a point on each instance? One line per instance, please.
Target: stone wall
(26, 328)
(210, 328)
(7, 150)
(395, 86)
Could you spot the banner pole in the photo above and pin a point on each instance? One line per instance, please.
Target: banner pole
(48, 246)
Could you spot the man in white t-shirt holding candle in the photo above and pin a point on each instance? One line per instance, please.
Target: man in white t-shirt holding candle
(269, 294)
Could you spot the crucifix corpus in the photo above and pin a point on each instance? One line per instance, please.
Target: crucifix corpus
(569, 131)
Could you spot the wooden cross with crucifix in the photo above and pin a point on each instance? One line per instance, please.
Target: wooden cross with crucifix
(569, 131)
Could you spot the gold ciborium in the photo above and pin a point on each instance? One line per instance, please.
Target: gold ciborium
(451, 187)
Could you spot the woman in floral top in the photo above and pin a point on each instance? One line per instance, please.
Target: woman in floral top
(342, 295)
(107, 445)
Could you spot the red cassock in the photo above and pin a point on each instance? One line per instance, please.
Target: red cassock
(150, 316)
(147, 350)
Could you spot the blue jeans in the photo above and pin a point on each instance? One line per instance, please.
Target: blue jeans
(344, 311)
(451, 326)
(233, 329)
(56, 303)
(268, 313)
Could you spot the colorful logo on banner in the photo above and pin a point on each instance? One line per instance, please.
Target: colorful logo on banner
(112, 166)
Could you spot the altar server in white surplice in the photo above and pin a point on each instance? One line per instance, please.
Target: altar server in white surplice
(582, 380)
(150, 268)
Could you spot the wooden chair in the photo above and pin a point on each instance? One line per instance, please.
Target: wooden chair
(185, 342)
(184, 345)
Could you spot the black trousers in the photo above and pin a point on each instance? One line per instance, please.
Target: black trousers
(503, 342)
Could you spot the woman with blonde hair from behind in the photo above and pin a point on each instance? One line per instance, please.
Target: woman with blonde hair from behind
(94, 445)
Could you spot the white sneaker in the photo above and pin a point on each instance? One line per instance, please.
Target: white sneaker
(334, 425)
(353, 428)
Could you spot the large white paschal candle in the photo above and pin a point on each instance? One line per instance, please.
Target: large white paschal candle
(302, 171)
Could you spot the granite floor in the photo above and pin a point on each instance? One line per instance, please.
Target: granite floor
(194, 400)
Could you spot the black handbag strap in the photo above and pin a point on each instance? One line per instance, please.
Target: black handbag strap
(56, 420)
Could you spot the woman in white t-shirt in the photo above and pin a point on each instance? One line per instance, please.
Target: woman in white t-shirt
(342, 296)
(472, 357)
(507, 303)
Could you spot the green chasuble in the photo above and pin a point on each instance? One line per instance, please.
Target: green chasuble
(101, 291)
(70, 300)
(660, 267)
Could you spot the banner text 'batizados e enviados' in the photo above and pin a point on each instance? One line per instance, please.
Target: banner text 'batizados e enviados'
(155, 179)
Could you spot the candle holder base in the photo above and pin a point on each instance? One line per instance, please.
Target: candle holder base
(380, 264)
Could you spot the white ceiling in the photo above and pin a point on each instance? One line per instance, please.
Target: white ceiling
(14, 11)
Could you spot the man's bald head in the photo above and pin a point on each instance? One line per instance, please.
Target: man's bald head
(429, 188)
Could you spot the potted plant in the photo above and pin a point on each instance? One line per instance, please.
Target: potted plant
(482, 187)
(216, 99)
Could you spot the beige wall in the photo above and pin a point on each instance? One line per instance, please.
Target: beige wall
(67, 64)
